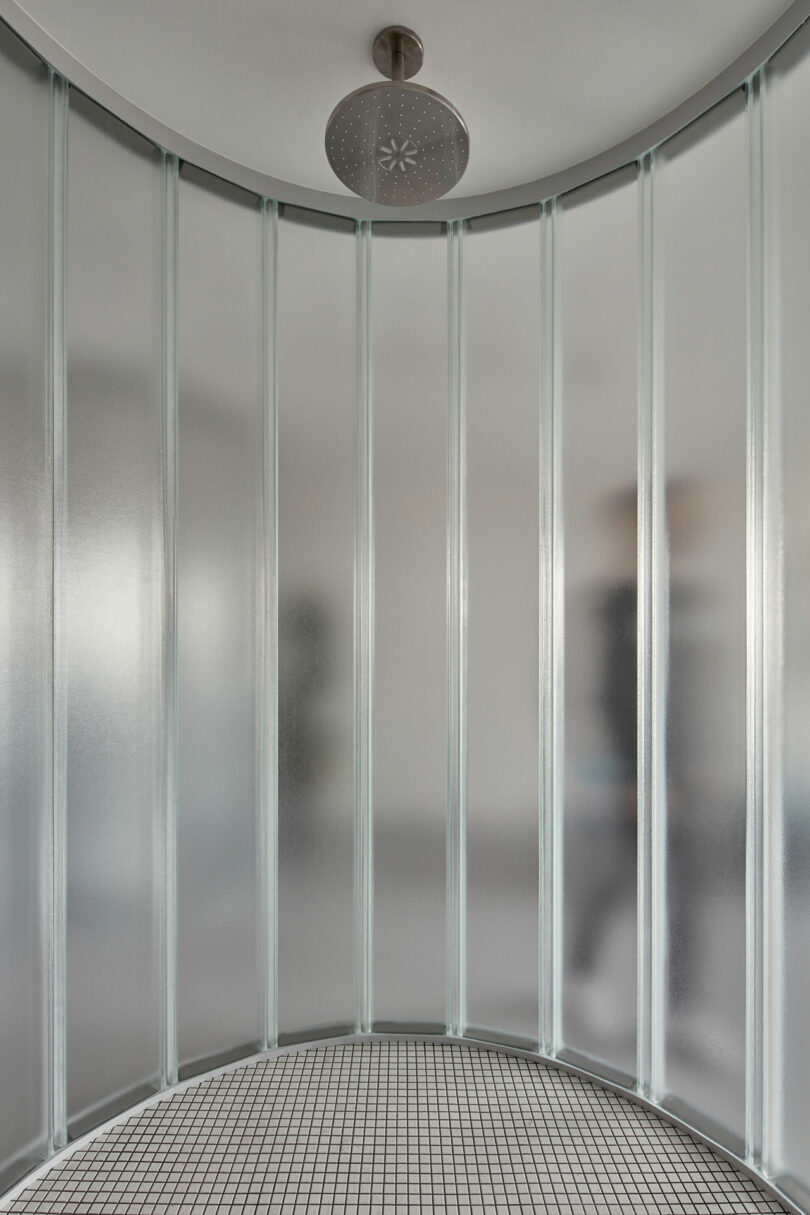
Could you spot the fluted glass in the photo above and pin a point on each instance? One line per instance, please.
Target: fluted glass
(787, 100)
(503, 459)
(316, 437)
(410, 505)
(24, 607)
(112, 616)
(219, 517)
(598, 267)
(702, 177)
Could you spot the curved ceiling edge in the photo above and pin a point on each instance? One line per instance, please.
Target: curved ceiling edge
(612, 158)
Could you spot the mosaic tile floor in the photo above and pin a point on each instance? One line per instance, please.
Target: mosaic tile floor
(393, 1126)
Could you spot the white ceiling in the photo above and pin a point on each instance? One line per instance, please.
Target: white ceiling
(542, 84)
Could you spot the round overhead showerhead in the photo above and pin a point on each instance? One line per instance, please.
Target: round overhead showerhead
(396, 143)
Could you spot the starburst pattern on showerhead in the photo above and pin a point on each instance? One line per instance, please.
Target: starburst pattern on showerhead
(398, 157)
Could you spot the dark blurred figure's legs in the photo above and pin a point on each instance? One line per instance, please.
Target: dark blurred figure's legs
(606, 891)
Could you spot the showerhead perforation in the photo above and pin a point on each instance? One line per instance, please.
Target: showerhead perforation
(396, 143)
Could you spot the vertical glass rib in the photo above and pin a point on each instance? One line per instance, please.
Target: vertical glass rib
(550, 647)
(558, 644)
(456, 639)
(364, 637)
(773, 691)
(755, 721)
(652, 611)
(57, 690)
(643, 692)
(268, 634)
(659, 660)
(169, 820)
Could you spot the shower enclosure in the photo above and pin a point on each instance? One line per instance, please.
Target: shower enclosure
(404, 621)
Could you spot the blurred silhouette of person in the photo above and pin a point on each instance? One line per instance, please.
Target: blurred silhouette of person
(683, 865)
(614, 882)
(303, 679)
(611, 884)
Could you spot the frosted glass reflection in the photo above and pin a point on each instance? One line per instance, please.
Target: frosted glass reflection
(503, 377)
(24, 559)
(598, 259)
(112, 610)
(316, 375)
(410, 475)
(217, 572)
(702, 221)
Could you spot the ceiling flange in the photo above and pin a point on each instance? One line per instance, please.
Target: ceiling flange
(398, 52)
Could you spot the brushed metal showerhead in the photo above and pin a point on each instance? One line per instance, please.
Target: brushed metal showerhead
(396, 143)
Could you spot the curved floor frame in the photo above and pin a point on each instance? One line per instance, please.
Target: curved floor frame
(768, 1186)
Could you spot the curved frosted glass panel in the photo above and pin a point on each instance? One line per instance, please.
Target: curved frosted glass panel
(409, 293)
(25, 561)
(702, 225)
(788, 129)
(417, 600)
(219, 438)
(502, 308)
(112, 610)
(316, 388)
(598, 317)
